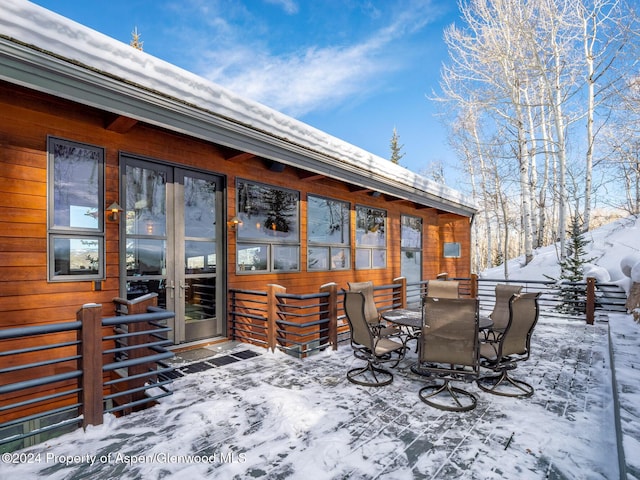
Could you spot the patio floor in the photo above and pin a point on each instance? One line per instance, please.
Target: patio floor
(249, 413)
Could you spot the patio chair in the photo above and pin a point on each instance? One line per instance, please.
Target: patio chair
(449, 351)
(511, 347)
(369, 346)
(371, 311)
(500, 314)
(443, 288)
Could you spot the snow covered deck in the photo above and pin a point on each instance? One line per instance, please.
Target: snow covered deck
(272, 416)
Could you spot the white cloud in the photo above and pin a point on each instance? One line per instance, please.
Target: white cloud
(313, 77)
(289, 6)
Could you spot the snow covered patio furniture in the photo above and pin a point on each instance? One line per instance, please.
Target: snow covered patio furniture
(449, 351)
(510, 347)
(369, 345)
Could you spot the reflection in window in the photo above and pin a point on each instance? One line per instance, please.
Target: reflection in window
(267, 212)
(252, 258)
(328, 234)
(268, 238)
(411, 248)
(76, 216)
(371, 240)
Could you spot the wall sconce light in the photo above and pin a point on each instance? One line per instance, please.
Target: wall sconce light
(234, 223)
(375, 194)
(113, 210)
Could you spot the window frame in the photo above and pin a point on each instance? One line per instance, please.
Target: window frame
(272, 245)
(332, 248)
(56, 232)
(369, 252)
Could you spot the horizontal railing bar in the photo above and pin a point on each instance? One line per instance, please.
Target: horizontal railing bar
(33, 330)
(39, 348)
(137, 361)
(138, 346)
(138, 317)
(44, 363)
(135, 334)
(136, 403)
(136, 390)
(41, 430)
(33, 401)
(150, 373)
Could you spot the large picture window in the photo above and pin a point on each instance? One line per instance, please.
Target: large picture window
(75, 219)
(371, 238)
(328, 234)
(269, 235)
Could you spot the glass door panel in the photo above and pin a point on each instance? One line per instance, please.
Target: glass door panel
(198, 238)
(170, 244)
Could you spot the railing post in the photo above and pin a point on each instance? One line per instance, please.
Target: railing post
(331, 315)
(91, 363)
(591, 300)
(402, 281)
(273, 313)
(134, 307)
(474, 285)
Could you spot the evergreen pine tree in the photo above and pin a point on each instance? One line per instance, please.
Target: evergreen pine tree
(572, 270)
(396, 154)
(135, 39)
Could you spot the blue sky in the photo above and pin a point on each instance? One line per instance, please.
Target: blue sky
(353, 68)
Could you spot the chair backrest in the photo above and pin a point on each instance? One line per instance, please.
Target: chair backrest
(524, 311)
(370, 309)
(450, 331)
(354, 309)
(500, 313)
(443, 288)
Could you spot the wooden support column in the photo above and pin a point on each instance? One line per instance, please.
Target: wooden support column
(402, 281)
(474, 286)
(591, 300)
(273, 313)
(91, 363)
(329, 312)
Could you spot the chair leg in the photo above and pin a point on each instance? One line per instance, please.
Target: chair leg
(459, 400)
(504, 385)
(381, 377)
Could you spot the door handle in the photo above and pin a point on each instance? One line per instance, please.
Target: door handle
(183, 287)
(172, 287)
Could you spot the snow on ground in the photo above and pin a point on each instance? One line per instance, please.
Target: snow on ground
(275, 417)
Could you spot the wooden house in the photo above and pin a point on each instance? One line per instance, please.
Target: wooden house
(121, 174)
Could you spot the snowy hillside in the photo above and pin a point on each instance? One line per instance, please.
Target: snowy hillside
(615, 249)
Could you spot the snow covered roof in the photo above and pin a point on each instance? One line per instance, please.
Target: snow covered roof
(42, 50)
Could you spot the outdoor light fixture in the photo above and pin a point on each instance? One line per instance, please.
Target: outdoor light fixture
(113, 210)
(234, 223)
(375, 194)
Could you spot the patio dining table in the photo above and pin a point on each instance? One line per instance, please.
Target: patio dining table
(411, 319)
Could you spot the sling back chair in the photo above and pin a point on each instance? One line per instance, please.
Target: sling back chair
(371, 311)
(500, 314)
(369, 346)
(510, 347)
(443, 288)
(449, 351)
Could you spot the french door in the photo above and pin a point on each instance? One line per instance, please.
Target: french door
(172, 246)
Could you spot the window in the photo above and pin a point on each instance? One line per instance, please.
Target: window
(411, 248)
(75, 220)
(371, 238)
(451, 250)
(269, 236)
(328, 234)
